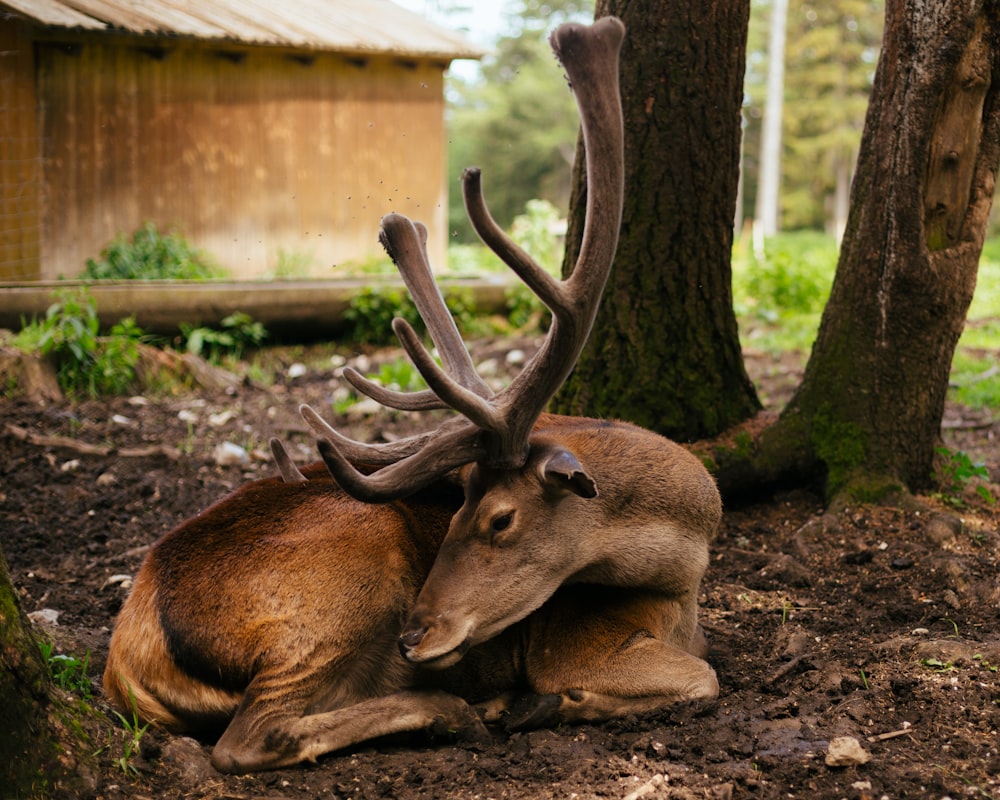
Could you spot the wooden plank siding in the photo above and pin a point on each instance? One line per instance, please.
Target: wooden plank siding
(20, 160)
(248, 151)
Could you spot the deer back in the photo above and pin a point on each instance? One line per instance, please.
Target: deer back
(272, 571)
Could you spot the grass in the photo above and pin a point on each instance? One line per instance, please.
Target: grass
(780, 300)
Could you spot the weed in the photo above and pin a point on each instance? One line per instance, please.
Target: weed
(937, 664)
(237, 332)
(864, 680)
(150, 255)
(400, 375)
(133, 737)
(372, 310)
(86, 362)
(954, 470)
(984, 663)
(68, 671)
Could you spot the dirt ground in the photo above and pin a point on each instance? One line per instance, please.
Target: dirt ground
(877, 624)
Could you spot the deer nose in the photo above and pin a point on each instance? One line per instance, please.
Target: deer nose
(410, 639)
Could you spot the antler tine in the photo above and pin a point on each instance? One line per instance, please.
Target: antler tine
(452, 449)
(406, 244)
(590, 57)
(372, 454)
(289, 472)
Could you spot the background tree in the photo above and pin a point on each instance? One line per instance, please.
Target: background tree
(831, 50)
(516, 122)
(868, 411)
(665, 350)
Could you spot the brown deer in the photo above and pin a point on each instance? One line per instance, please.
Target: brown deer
(566, 580)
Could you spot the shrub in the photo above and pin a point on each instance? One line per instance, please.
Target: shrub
(150, 255)
(86, 362)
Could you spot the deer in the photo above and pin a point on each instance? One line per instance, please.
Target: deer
(510, 566)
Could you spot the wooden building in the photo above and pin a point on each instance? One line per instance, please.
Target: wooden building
(262, 131)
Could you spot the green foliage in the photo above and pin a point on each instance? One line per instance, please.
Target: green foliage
(518, 122)
(68, 672)
(400, 375)
(86, 362)
(794, 277)
(540, 231)
(975, 380)
(150, 255)
(133, 737)
(238, 331)
(372, 310)
(954, 470)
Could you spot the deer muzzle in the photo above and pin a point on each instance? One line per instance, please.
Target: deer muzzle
(435, 644)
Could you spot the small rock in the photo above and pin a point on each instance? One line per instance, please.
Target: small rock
(488, 368)
(227, 454)
(943, 528)
(70, 466)
(188, 757)
(363, 408)
(296, 370)
(846, 751)
(121, 419)
(337, 360)
(220, 419)
(106, 479)
(138, 401)
(515, 357)
(188, 416)
(47, 616)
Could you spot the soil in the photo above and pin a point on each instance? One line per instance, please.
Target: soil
(877, 624)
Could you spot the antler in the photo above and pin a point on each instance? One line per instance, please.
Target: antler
(494, 427)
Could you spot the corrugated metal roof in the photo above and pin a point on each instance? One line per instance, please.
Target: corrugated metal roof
(356, 26)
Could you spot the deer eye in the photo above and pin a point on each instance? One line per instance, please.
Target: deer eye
(501, 522)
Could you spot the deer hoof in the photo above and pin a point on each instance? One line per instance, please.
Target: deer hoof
(533, 711)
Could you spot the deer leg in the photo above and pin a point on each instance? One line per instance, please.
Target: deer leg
(597, 653)
(258, 740)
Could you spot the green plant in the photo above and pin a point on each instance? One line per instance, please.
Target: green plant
(540, 231)
(86, 363)
(794, 276)
(974, 380)
(68, 671)
(133, 737)
(150, 255)
(400, 375)
(954, 470)
(372, 310)
(237, 332)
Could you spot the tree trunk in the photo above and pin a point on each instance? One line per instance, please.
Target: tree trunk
(665, 350)
(868, 411)
(42, 748)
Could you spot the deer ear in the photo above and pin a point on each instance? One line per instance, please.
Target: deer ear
(560, 471)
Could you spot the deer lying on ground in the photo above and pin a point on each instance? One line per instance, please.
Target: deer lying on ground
(509, 554)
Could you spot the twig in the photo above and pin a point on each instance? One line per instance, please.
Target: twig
(86, 449)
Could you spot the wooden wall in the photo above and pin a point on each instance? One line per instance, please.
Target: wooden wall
(20, 160)
(249, 152)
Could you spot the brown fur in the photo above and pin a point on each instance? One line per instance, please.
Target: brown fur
(275, 613)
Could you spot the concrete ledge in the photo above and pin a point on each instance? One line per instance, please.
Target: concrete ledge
(306, 309)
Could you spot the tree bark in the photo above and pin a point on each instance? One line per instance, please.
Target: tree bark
(665, 351)
(42, 749)
(867, 414)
